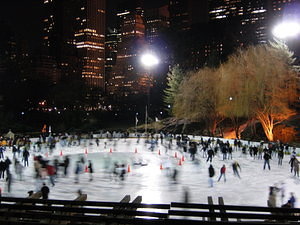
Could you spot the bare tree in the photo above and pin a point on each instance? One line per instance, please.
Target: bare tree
(261, 83)
(197, 98)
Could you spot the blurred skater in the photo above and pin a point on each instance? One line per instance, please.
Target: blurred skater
(211, 174)
(236, 167)
(9, 181)
(222, 173)
(91, 170)
(78, 170)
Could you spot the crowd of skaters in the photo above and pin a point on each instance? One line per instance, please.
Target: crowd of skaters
(265, 152)
(23, 147)
(208, 149)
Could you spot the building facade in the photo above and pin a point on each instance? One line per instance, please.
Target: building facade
(250, 16)
(74, 35)
(128, 76)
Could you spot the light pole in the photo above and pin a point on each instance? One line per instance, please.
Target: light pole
(148, 60)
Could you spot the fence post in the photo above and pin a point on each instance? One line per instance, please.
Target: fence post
(222, 210)
(211, 209)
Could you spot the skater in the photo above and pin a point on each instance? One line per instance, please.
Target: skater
(51, 173)
(224, 151)
(2, 169)
(91, 170)
(2, 149)
(280, 156)
(19, 170)
(267, 158)
(193, 150)
(66, 165)
(9, 181)
(186, 195)
(222, 173)
(7, 164)
(122, 172)
(174, 175)
(97, 142)
(272, 198)
(296, 167)
(14, 150)
(25, 157)
(78, 170)
(210, 154)
(292, 200)
(292, 159)
(255, 151)
(235, 167)
(229, 152)
(211, 173)
(45, 191)
(56, 166)
(37, 167)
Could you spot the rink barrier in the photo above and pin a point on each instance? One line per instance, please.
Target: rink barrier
(230, 213)
(126, 199)
(64, 212)
(80, 198)
(92, 212)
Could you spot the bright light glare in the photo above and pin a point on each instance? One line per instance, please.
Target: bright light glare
(286, 29)
(149, 60)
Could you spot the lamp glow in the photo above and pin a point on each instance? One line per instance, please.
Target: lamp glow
(286, 29)
(149, 60)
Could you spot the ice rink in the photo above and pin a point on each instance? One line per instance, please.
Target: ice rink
(153, 179)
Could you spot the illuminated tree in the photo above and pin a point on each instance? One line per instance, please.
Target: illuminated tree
(234, 92)
(197, 98)
(261, 83)
(174, 78)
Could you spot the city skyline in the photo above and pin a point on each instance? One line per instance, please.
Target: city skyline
(90, 53)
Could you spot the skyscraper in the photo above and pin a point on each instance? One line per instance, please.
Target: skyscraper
(128, 77)
(185, 13)
(90, 42)
(74, 34)
(156, 20)
(251, 16)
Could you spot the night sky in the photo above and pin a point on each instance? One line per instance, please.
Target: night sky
(24, 18)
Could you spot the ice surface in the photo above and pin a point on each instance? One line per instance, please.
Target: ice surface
(152, 183)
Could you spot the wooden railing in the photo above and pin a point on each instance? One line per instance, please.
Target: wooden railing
(39, 211)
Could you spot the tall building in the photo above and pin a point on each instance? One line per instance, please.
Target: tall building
(156, 19)
(251, 16)
(74, 35)
(128, 77)
(90, 42)
(185, 13)
(111, 49)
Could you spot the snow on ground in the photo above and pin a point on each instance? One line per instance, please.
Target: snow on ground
(154, 184)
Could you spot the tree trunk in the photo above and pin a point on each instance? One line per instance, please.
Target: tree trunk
(236, 126)
(253, 127)
(184, 126)
(267, 124)
(212, 126)
(270, 135)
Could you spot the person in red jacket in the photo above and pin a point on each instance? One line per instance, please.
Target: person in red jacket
(51, 173)
(223, 171)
